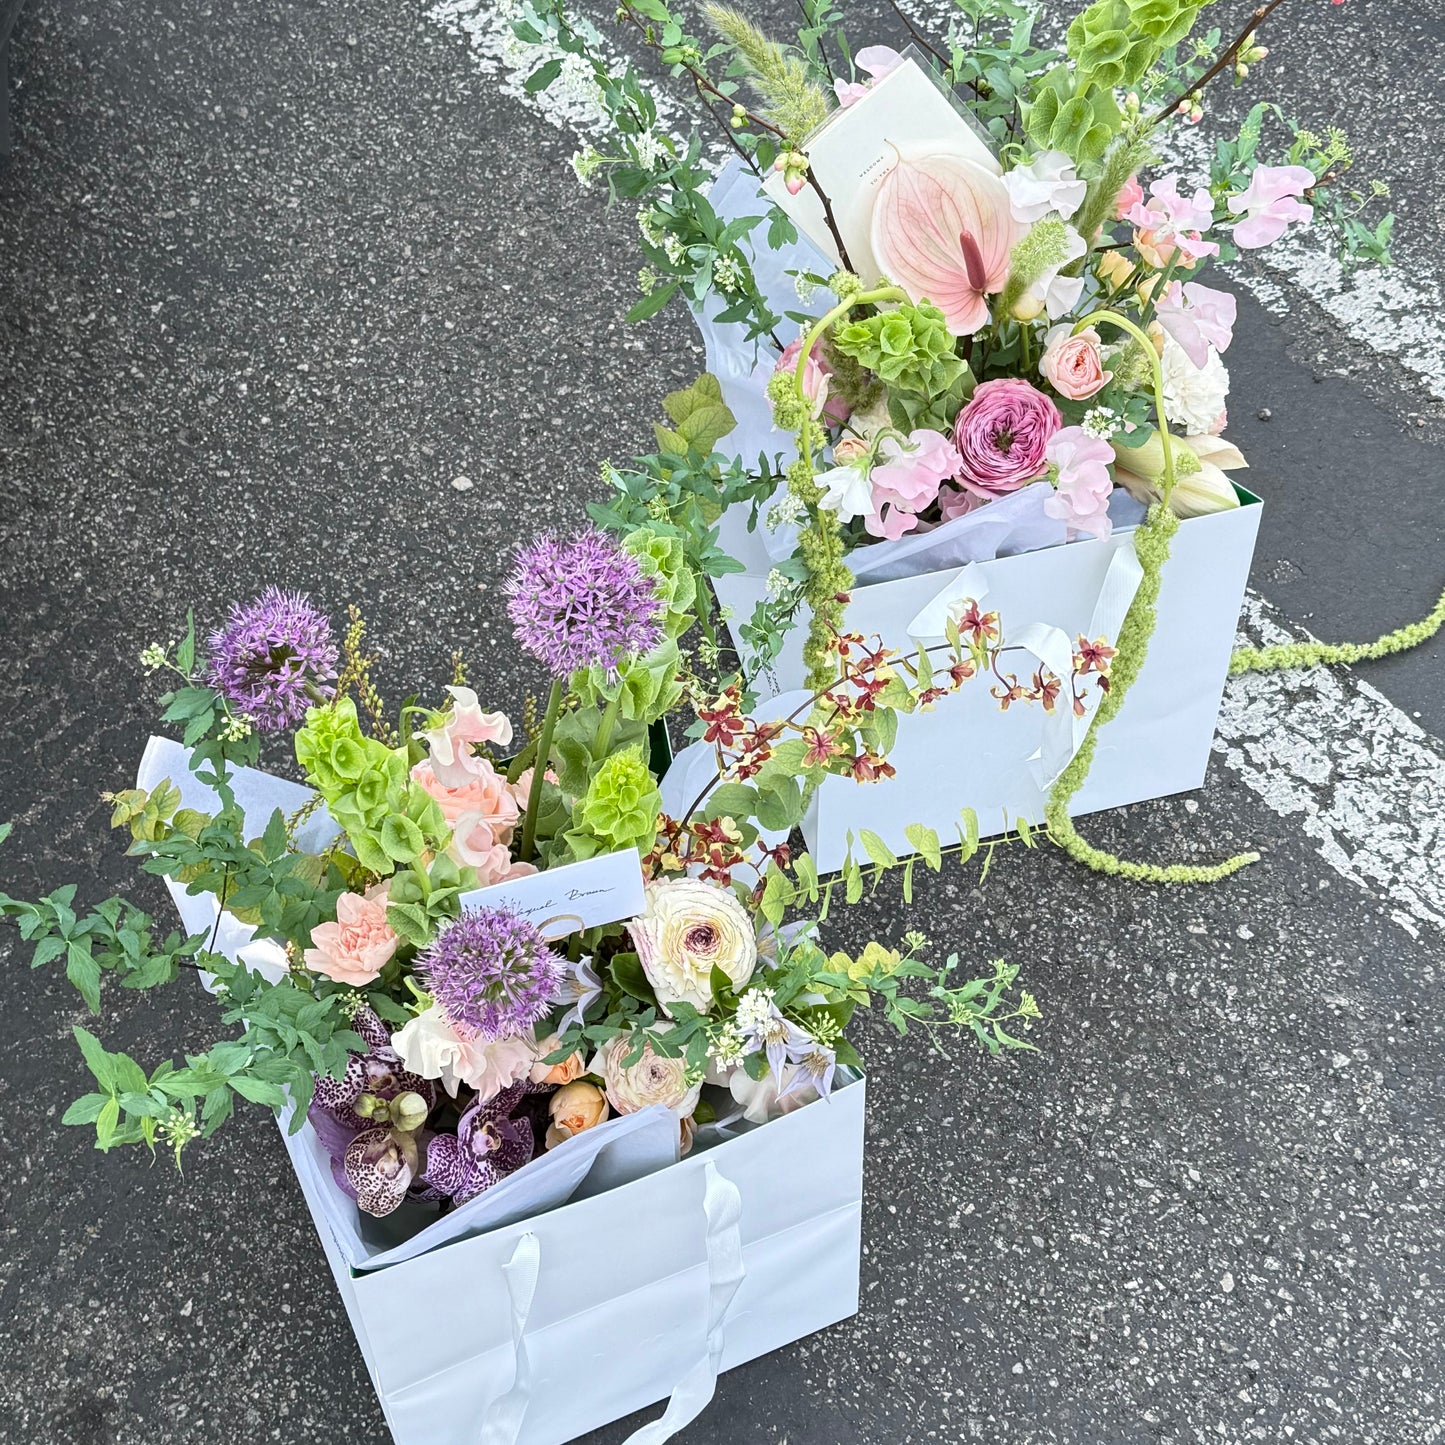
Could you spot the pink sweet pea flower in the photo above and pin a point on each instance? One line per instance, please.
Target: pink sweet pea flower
(905, 480)
(1082, 497)
(464, 728)
(1269, 205)
(1198, 317)
(877, 61)
(1172, 222)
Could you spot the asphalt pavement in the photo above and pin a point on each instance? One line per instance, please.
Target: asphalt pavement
(273, 277)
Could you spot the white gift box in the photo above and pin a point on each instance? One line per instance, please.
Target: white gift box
(601, 1278)
(966, 753)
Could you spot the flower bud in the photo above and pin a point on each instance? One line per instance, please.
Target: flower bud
(1027, 307)
(409, 1111)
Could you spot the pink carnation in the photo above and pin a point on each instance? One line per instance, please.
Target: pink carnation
(1001, 436)
(1082, 496)
(359, 944)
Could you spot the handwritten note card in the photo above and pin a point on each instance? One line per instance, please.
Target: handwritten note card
(564, 900)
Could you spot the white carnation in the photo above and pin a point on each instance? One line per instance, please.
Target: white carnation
(1194, 398)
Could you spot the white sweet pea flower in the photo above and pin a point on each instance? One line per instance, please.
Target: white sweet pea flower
(1060, 294)
(1048, 184)
(846, 491)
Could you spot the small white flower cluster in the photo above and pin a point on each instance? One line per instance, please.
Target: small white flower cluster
(235, 730)
(649, 149)
(726, 1050)
(153, 657)
(650, 223)
(727, 274)
(586, 163)
(805, 286)
(787, 508)
(777, 584)
(1101, 422)
(755, 1008)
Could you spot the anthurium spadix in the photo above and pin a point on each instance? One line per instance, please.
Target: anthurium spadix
(943, 229)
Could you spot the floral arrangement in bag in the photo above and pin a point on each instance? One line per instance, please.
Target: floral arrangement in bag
(1017, 301)
(436, 1038)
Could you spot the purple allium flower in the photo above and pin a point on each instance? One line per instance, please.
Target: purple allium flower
(272, 657)
(491, 972)
(582, 602)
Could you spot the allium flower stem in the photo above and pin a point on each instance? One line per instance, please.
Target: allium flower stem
(539, 771)
(605, 727)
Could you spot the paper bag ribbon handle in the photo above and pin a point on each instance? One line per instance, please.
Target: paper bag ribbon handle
(1063, 732)
(504, 1417)
(723, 1205)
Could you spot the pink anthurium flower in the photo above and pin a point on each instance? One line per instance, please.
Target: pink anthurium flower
(1198, 317)
(1270, 203)
(943, 230)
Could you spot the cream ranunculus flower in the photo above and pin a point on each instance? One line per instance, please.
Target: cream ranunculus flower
(653, 1079)
(688, 929)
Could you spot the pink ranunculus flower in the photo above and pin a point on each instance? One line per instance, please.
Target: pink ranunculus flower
(1131, 194)
(905, 479)
(355, 948)
(1074, 365)
(486, 794)
(463, 727)
(1270, 203)
(876, 61)
(1001, 436)
(817, 382)
(1082, 497)
(1198, 317)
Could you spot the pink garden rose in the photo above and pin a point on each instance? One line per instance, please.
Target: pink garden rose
(1270, 203)
(1082, 496)
(355, 948)
(905, 480)
(1001, 436)
(1074, 365)
(874, 60)
(817, 381)
(451, 745)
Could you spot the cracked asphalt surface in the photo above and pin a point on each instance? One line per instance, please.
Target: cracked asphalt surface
(272, 275)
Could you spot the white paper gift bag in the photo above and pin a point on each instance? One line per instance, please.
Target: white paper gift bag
(543, 1330)
(966, 752)
(599, 1279)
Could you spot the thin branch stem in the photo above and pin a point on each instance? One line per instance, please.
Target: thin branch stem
(1224, 61)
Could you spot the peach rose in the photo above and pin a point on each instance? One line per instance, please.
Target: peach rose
(574, 1108)
(486, 794)
(1074, 365)
(355, 948)
(563, 1073)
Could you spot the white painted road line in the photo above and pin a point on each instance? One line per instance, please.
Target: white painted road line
(1365, 781)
